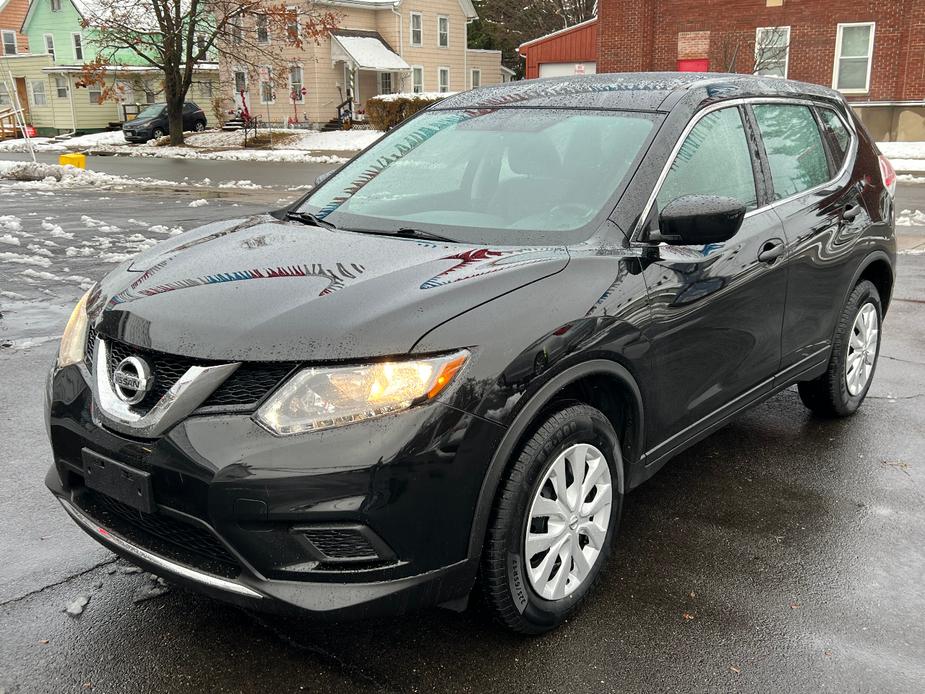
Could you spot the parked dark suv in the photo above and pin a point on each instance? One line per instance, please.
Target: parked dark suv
(152, 124)
(453, 357)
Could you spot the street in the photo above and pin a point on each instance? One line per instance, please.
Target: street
(783, 553)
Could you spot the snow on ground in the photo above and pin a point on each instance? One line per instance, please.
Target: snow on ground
(910, 218)
(216, 145)
(908, 157)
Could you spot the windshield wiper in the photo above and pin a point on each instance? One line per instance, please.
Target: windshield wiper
(410, 233)
(309, 218)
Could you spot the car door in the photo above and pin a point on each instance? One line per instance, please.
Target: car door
(820, 206)
(717, 310)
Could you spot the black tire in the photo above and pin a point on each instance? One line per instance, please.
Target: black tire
(199, 126)
(157, 134)
(828, 395)
(504, 582)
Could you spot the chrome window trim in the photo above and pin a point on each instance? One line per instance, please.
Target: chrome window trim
(107, 536)
(735, 103)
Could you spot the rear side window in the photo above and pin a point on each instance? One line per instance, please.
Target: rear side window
(794, 148)
(714, 160)
(839, 137)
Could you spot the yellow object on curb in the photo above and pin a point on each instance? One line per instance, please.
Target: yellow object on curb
(77, 160)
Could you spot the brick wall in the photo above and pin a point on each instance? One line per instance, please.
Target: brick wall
(648, 35)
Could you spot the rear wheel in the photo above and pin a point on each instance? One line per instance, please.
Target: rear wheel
(554, 521)
(840, 391)
(199, 126)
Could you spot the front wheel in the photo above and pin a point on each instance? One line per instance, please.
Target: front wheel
(840, 391)
(157, 134)
(554, 520)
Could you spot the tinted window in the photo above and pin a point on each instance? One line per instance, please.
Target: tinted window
(517, 176)
(794, 147)
(714, 160)
(839, 137)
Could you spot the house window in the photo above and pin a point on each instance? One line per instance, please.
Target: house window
(443, 76)
(37, 87)
(96, 94)
(854, 48)
(292, 26)
(772, 51)
(5, 96)
(206, 89)
(266, 85)
(385, 82)
(237, 32)
(201, 44)
(443, 32)
(9, 43)
(55, 5)
(417, 29)
(78, 46)
(263, 29)
(295, 83)
(417, 79)
(61, 87)
(50, 45)
(240, 81)
(476, 78)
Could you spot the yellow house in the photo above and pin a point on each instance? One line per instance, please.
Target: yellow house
(380, 47)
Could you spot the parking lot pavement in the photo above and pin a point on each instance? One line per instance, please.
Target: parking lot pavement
(783, 553)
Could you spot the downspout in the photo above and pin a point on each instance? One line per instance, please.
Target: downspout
(401, 37)
(70, 94)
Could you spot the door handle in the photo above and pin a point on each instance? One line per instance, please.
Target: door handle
(771, 250)
(851, 211)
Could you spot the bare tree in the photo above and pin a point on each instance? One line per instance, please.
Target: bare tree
(175, 37)
(769, 54)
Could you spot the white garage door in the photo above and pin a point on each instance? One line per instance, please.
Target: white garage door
(565, 69)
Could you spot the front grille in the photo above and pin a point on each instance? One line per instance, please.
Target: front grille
(242, 391)
(341, 543)
(163, 535)
(91, 349)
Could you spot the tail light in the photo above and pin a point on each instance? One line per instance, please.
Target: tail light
(888, 175)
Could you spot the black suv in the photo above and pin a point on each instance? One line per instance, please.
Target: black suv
(152, 124)
(454, 356)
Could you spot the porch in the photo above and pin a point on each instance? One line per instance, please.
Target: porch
(369, 67)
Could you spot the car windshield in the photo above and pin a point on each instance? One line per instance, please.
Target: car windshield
(504, 176)
(153, 111)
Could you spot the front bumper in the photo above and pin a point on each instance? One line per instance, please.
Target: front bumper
(228, 489)
(136, 136)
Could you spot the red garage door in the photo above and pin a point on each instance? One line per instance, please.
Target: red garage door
(694, 65)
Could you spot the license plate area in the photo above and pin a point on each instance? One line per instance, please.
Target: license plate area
(118, 481)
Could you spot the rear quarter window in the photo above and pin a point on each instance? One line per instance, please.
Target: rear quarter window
(838, 134)
(794, 148)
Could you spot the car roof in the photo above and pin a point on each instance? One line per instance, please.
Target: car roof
(643, 91)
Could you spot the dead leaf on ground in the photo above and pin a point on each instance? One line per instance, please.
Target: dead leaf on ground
(734, 669)
(688, 615)
(795, 606)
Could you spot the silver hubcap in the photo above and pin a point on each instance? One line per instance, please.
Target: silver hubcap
(568, 521)
(862, 349)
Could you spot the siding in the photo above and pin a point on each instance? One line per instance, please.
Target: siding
(575, 45)
(11, 17)
(325, 81)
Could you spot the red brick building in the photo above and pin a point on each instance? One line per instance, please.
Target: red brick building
(873, 51)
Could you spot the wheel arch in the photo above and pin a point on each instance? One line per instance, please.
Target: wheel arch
(877, 269)
(585, 382)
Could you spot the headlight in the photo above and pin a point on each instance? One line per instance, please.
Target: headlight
(74, 340)
(322, 398)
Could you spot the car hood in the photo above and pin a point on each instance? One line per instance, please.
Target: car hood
(139, 121)
(264, 289)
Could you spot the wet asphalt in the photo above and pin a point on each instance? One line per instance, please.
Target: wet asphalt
(783, 553)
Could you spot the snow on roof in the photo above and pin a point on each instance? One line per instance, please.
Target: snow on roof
(566, 30)
(368, 51)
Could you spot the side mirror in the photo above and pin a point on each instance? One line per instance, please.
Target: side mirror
(696, 220)
(323, 177)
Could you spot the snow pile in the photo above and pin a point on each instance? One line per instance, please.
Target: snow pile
(9, 239)
(423, 96)
(905, 156)
(10, 223)
(51, 177)
(911, 218)
(201, 202)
